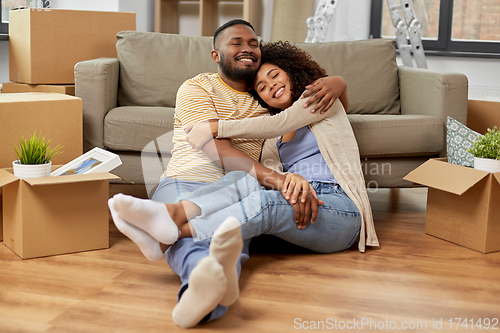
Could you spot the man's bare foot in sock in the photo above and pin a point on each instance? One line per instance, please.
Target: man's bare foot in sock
(207, 286)
(226, 246)
(149, 246)
(150, 216)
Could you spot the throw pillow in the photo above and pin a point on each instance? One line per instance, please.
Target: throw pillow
(459, 138)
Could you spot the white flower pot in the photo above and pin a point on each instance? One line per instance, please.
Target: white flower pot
(23, 171)
(487, 164)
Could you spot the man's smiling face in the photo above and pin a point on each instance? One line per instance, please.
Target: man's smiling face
(238, 53)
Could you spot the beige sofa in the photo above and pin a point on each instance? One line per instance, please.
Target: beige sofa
(398, 114)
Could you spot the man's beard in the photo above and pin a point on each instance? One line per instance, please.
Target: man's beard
(240, 74)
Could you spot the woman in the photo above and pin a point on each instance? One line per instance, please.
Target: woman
(323, 155)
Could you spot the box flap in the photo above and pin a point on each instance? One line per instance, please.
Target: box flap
(6, 177)
(445, 176)
(70, 179)
(497, 177)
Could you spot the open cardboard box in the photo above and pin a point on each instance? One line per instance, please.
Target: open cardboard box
(55, 215)
(462, 204)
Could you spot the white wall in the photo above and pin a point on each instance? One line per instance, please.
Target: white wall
(144, 13)
(101, 5)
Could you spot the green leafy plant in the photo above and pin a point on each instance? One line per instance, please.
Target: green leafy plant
(35, 150)
(488, 145)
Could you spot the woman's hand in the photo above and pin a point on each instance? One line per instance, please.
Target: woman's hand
(300, 194)
(324, 90)
(198, 134)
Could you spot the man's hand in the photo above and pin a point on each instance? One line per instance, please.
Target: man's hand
(325, 90)
(299, 193)
(200, 133)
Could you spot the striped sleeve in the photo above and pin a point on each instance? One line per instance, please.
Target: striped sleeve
(194, 104)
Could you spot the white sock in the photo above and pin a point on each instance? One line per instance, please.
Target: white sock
(149, 246)
(150, 216)
(207, 286)
(226, 246)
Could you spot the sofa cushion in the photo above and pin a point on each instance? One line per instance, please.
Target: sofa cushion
(397, 135)
(369, 68)
(131, 128)
(459, 138)
(153, 66)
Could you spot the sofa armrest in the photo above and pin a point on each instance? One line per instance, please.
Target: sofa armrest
(430, 93)
(96, 82)
(426, 92)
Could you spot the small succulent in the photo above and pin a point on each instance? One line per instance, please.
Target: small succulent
(488, 145)
(35, 150)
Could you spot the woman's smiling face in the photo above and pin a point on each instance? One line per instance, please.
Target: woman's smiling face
(273, 86)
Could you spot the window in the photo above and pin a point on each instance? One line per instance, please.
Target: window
(4, 21)
(449, 27)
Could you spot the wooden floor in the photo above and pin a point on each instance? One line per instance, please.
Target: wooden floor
(412, 279)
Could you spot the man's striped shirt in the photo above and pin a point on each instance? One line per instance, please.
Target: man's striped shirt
(201, 98)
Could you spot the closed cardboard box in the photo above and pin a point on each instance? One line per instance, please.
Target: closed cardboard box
(45, 45)
(55, 215)
(13, 87)
(1, 218)
(482, 115)
(56, 117)
(462, 204)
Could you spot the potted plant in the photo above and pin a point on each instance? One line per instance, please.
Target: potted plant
(486, 151)
(34, 157)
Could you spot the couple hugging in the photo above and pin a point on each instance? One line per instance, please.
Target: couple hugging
(274, 104)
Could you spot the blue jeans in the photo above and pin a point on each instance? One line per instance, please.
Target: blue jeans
(183, 256)
(262, 211)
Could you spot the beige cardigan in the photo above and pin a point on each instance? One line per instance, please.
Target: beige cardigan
(336, 143)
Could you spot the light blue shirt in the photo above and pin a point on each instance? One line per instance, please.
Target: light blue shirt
(301, 155)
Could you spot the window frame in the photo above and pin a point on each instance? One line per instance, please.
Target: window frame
(444, 45)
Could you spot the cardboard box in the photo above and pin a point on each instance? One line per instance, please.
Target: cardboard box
(482, 115)
(57, 117)
(1, 217)
(462, 204)
(55, 215)
(45, 45)
(13, 87)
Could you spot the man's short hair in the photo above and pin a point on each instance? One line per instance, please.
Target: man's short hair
(230, 24)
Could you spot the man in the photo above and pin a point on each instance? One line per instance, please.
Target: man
(209, 282)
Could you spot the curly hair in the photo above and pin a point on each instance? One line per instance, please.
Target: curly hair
(301, 69)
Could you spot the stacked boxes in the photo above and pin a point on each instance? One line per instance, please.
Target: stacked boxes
(45, 44)
(51, 215)
(13, 87)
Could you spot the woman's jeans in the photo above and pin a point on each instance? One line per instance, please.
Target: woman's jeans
(262, 211)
